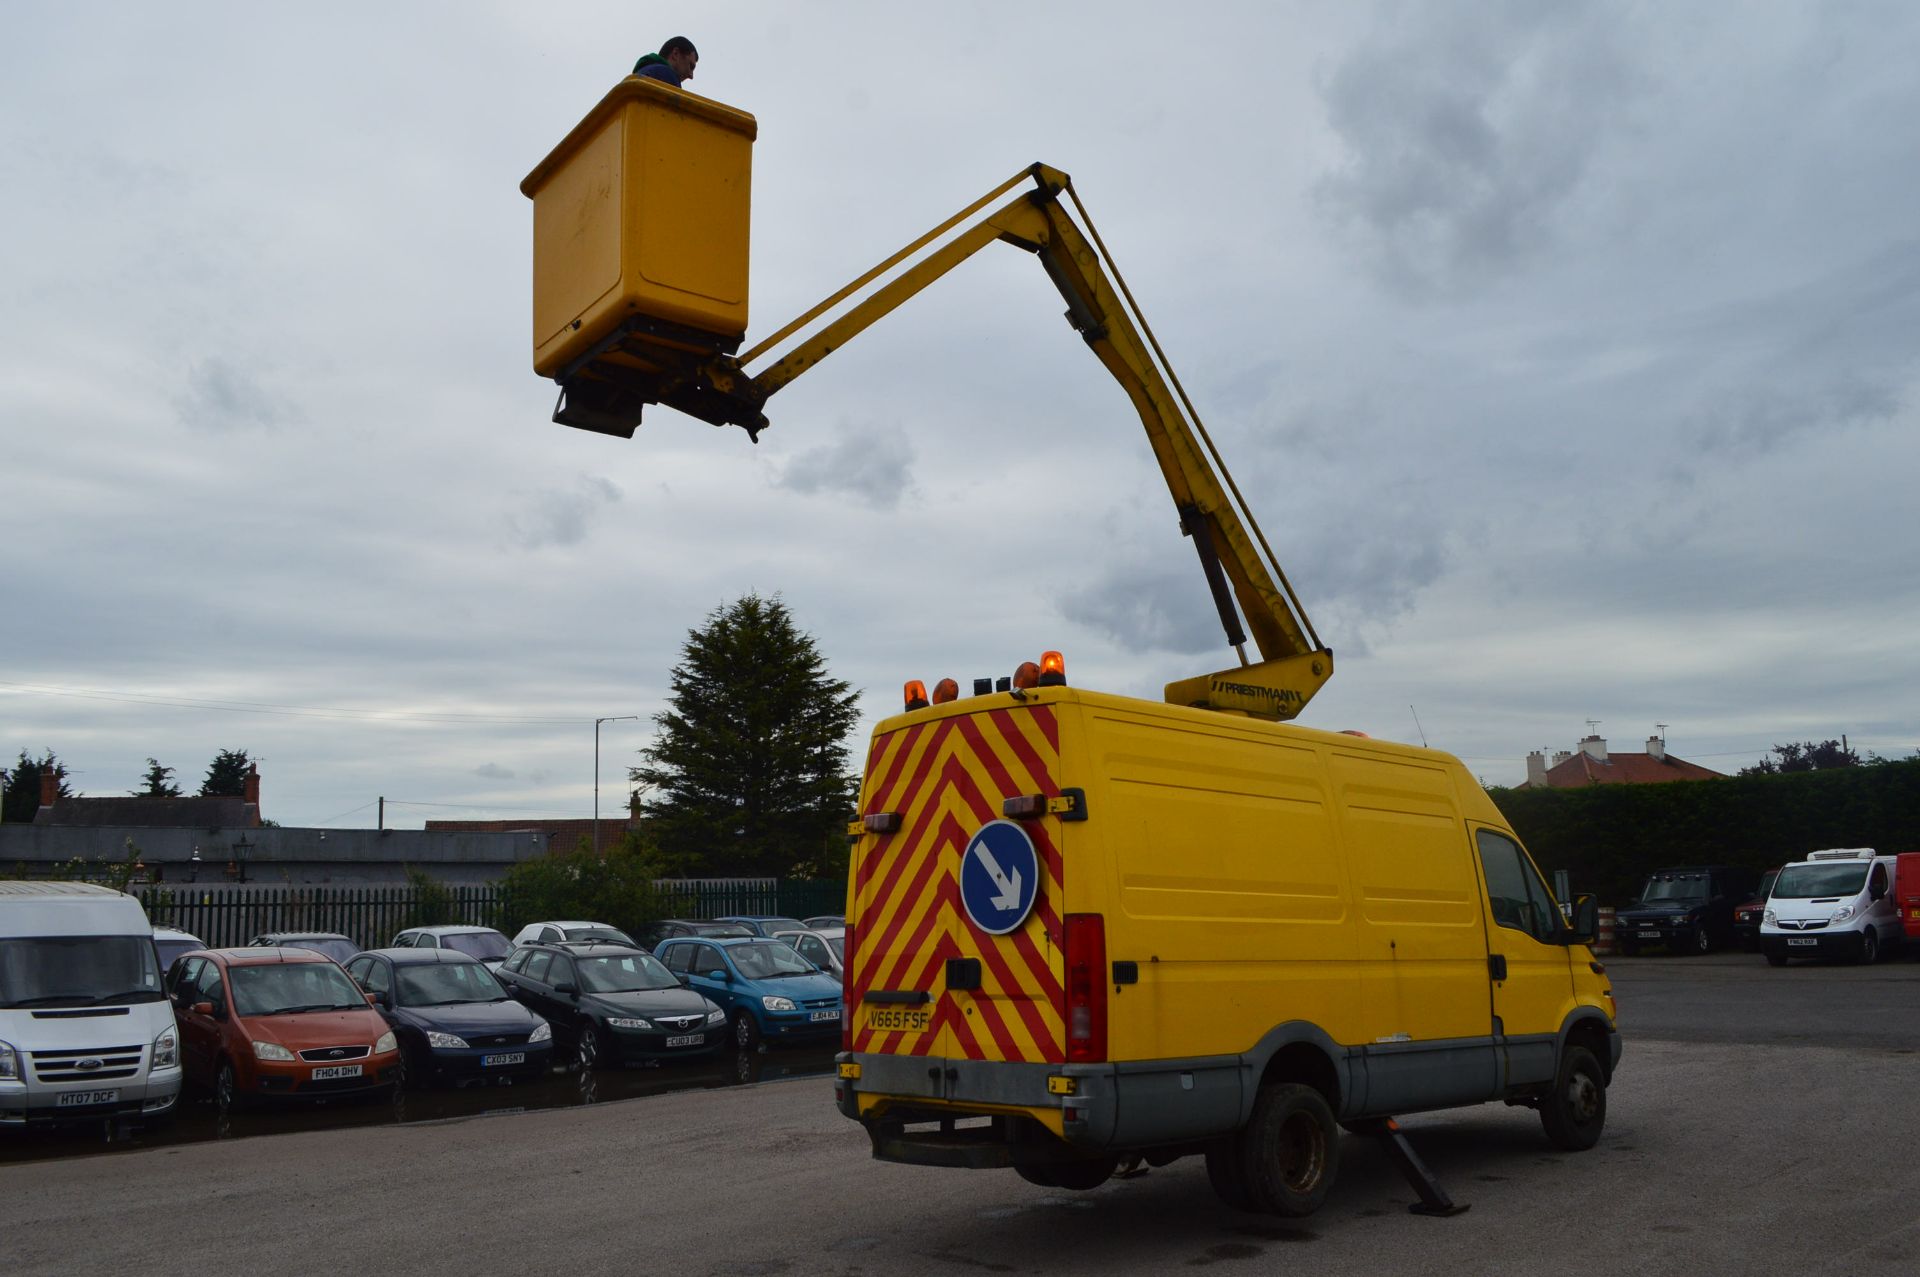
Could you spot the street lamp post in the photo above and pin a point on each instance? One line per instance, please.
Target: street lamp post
(611, 718)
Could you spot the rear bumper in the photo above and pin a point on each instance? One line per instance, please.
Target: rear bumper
(975, 1113)
(32, 1104)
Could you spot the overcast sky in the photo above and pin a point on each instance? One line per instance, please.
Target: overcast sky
(1566, 354)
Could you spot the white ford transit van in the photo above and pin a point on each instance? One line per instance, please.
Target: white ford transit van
(1836, 903)
(85, 1030)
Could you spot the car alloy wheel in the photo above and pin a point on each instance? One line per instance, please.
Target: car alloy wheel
(226, 1093)
(746, 1033)
(586, 1053)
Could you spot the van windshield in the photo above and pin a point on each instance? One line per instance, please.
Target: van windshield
(1664, 887)
(1804, 882)
(78, 971)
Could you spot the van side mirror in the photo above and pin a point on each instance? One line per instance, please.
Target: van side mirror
(1586, 920)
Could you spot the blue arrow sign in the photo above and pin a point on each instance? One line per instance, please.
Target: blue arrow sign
(999, 877)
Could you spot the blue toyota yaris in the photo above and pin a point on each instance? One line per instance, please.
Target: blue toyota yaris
(767, 990)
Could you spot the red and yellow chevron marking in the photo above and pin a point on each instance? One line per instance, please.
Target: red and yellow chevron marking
(947, 778)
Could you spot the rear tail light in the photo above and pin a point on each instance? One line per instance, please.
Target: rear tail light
(1086, 946)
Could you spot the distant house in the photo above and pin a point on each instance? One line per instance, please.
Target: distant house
(149, 813)
(561, 837)
(1591, 764)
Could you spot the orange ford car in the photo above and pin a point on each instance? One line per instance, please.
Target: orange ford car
(277, 1024)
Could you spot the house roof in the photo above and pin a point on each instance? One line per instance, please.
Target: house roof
(1623, 769)
(152, 813)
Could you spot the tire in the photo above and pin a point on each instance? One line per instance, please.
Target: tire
(1224, 1173)
(1084, 1176)
(746, 1030)
(586, 1050)
(1040, 1176)
(1702, 941)
(1289, 1151)
(1776, 959)
(1869, 947)
(226, 1090)
(1574, 1112)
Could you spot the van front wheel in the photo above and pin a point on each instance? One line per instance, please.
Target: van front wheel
(1290, 1150)
(1869, 947)
(1574, 1112)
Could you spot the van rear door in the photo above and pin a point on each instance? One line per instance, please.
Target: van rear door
(925, 980)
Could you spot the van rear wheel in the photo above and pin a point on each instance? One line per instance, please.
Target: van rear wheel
(1290, 1150)
(1575, 1111)
(1225, 1174)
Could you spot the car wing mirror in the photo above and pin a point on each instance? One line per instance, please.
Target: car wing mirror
(717, 975)
(203, 1008)
(567, 990)
(1586, 920)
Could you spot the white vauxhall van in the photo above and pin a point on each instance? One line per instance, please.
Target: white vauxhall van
(1835, 903)
(85, 1030)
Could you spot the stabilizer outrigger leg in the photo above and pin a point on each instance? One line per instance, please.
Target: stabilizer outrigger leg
(1433, 1198)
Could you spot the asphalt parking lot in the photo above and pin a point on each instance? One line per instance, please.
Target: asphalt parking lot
(1734, 1143)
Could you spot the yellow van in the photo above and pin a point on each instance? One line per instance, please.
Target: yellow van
(1084, 929)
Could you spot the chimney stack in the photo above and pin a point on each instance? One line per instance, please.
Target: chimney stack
(49, 786)
(1561, 756)
(1595, 747)
(253, 785)
(1537, 769)
(1656, 749)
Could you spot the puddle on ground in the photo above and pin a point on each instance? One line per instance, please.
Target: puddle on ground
(195, 1120)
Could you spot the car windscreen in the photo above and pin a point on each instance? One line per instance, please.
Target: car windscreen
(1804, 882)
(625, 973)
(598, 933)
(171, 949)
(78, 971)
(771, 960)
(722, 930)
(435, 984)
(839, 946)
(285, 988)
(484, 945)
(1661, 888)
(336, 947)
(768, 926)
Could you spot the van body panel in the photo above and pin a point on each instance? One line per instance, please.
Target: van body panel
(1273, 897)
(1834, 922)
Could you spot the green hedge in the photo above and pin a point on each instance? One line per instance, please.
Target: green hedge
(1610, 836)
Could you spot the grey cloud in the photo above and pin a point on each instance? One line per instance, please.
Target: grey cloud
(1466, 131)
(1761, 420)
(493, 771)
(1148, 609)
(873, 466)
(221, 397)
(559, 516)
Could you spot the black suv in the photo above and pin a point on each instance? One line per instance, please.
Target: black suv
(612, 1003)
(1688, 909)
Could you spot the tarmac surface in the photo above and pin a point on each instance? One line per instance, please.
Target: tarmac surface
(1733, 1144)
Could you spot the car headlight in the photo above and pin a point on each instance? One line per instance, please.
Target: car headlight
(628, 1022)
(166, 1051)
(716, 1016)
(445, 1041)
(271, 1051)
(1768, 919)
(388, 1043)
(773, 1003)
(9, 1063)
(541, 1034)
(1843, 913)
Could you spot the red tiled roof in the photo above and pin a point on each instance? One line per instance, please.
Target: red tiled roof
(1623, 769)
